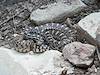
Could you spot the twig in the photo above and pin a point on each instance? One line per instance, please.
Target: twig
(69, 23)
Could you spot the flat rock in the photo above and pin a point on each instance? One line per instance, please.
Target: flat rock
(79, 54)
(56, 12)
(48, 63)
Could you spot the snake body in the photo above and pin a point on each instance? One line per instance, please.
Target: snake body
(45, 37)
(23, 45)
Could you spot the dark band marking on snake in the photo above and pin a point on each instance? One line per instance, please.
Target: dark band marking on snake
(52, 34)
(45, 37)
(24, 45)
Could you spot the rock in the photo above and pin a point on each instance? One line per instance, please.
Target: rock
(56, 12)
(98, 34)
(98, 40)
(92, 70)
(48, 63)
(9, 66)
(79, 54)
(90, 23)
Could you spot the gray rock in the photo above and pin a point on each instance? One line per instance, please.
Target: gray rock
(98, 34)
(98, 40)
(8, 66)
(48, 63)
(56, 12)
(79, 54)
(91, 24)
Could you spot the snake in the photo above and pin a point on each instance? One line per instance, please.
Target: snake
(44, 37)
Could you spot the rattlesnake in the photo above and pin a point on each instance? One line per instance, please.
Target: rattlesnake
(45, 37)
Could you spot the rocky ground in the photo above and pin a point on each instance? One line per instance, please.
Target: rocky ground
(14, 15)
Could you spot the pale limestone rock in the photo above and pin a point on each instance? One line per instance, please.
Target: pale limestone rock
(8, 65)
(90, 23)
(56, 12)
(98, 40)
(98, 34)
(47, 63)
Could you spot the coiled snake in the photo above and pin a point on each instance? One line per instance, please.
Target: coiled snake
(45, 37)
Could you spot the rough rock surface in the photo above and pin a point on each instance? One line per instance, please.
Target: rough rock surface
(98, 34)
(56, 12)
(48, 63)
(90, 23)
(79, 54)
(98, 40)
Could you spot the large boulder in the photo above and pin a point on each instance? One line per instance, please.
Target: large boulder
(56, 12)
(9, 66)
(79, 54)
(48, 63)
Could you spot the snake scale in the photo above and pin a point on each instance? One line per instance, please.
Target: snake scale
(45, 37)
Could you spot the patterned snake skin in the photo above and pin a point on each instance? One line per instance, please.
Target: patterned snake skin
(45, 37)
(41, 38)
(23, 45)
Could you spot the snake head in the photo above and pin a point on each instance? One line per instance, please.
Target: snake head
(33, 34)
